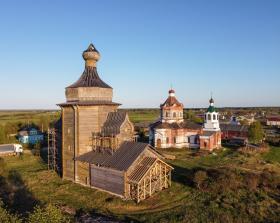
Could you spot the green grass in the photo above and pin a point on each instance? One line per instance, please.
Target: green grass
(26, 117)
(46, 187)
(143, 115)
(273, 155)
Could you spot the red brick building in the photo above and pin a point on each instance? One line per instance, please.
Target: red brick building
(172, 131)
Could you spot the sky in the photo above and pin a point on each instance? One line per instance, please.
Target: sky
(228, 47)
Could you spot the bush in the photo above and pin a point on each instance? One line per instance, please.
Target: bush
(49, 214)
(199, 178)
(6, 217)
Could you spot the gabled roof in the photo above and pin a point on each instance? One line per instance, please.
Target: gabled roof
(113, 123)
(137, 174)
(233, 127)
(120, 160)
(89, 78)
(273, 119)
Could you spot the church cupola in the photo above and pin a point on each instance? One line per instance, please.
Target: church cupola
(89, 87)
(172, 109)
(211, 118)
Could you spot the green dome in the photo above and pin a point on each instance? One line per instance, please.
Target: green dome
(211, 109)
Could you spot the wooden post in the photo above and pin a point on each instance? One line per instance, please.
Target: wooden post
(138, 200)
(144, 188)
(165, 180)
(160, 177)
(150, 182)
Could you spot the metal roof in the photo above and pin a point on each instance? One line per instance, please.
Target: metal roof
(233, 127)
(170, 101)
(175, 125)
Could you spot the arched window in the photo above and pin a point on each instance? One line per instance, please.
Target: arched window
(174, 140)
(209, 116)
(166, 114)
(167, 140)
(214, 117)
(174, 114)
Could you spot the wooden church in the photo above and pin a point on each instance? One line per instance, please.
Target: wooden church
(98, 146)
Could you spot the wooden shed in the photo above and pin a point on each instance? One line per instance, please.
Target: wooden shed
(134, 171)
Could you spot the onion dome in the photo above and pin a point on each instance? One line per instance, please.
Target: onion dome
(211, 108)
(171, 91)
(90, 77)
(91, 56)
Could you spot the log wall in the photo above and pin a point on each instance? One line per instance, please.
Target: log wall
(108, 180)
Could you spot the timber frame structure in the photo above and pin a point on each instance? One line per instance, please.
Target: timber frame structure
(144, 184)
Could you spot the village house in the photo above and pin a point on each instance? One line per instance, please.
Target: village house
(98, 146)
(172, 131)
(273, 121)
(231, 131)
(30, 135)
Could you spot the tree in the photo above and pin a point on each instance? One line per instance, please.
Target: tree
(49, 214)
(256, 132)
(199, 178)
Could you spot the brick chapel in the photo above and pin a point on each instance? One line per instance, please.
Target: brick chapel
(172, 131)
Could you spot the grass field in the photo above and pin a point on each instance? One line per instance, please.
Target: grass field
(237, 187)
(28, 181)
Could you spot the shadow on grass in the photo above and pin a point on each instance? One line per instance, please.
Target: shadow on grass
(94, 215)
(16, 195)
(185, 176)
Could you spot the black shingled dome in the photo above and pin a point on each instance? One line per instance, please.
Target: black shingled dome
(90, 78)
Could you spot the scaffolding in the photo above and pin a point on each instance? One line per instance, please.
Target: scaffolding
(52, 150)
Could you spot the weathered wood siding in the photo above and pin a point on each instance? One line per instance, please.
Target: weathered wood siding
(83, 173)
(126, 131)
(68, 142)
(108, 180)
(90, 119)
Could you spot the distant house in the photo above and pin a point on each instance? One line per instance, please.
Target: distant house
(30, 135)
(230, 131)
(273, 121)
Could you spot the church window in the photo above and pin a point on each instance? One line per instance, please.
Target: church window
(174, 140)
(209, 116)
(166, 114)
(214, 117)
(167, 140)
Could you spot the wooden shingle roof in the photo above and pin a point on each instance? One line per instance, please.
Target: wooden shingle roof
(113, 123)
(121, 159)
(141, 169)
(89, 78)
